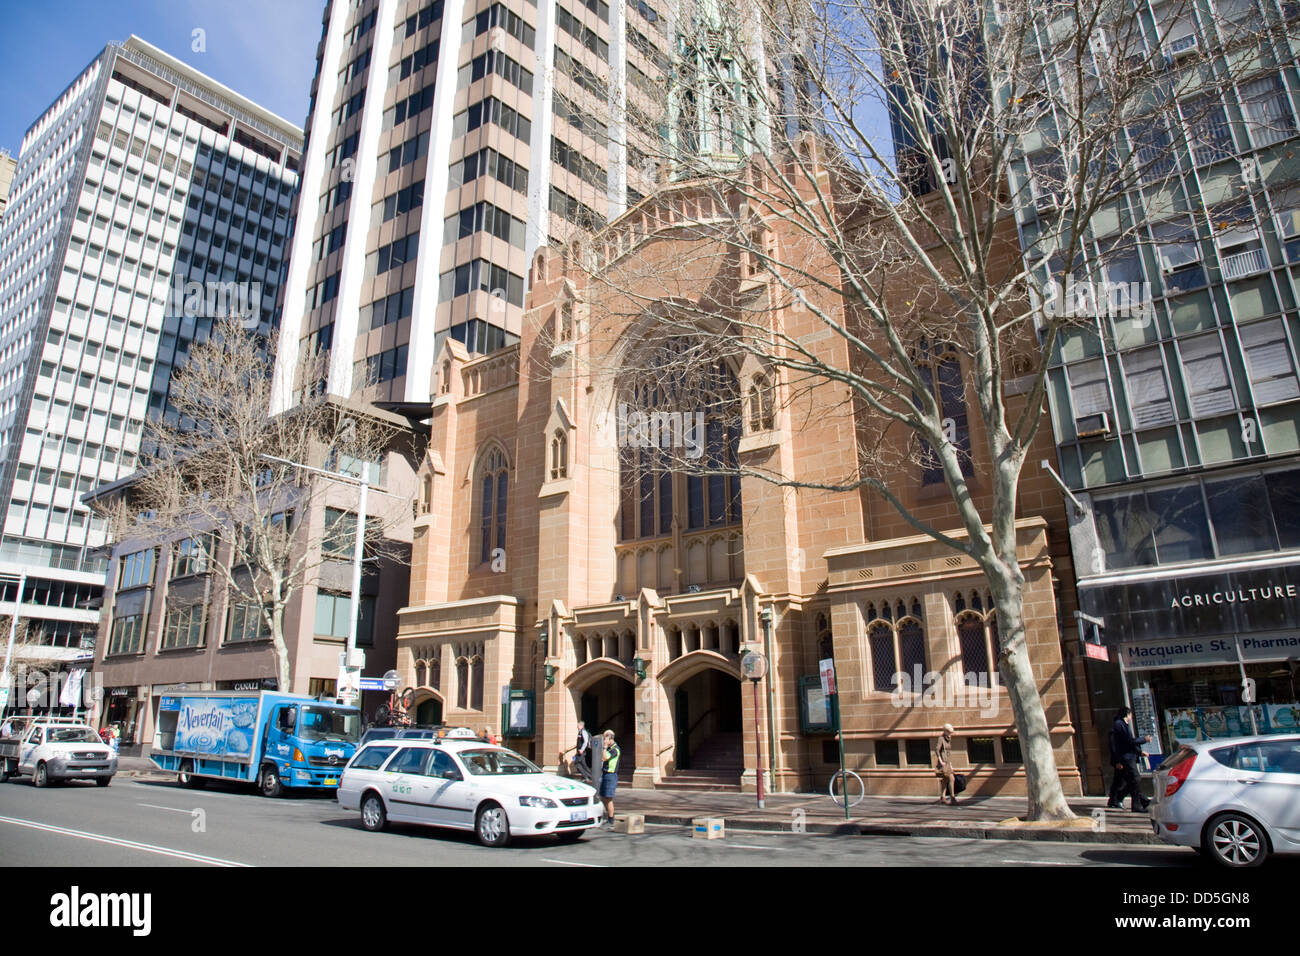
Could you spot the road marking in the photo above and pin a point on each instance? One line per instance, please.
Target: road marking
(1042, 862)
(154, 806)
(547, 859)
(746, 846)
(128, 844)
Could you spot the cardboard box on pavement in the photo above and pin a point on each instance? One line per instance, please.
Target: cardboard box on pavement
(708, 828)
(630, 823)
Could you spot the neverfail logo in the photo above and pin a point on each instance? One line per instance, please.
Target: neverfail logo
(76, 909)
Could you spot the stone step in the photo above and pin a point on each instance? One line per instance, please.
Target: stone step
(698, 785)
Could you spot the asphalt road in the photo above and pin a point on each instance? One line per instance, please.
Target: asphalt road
(139, 822)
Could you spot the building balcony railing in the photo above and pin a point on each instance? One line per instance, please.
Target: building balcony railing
(1261, 136)
(1242, 264)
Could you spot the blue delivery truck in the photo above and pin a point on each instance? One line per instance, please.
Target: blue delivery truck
(273, 740)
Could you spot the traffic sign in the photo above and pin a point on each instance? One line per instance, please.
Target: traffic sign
(826, 670)
(373, 683)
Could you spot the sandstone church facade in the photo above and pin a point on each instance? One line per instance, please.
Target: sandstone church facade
(553, 579)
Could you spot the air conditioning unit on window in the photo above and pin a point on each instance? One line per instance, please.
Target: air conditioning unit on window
(1047, 200)
(1091, 426)
(1181, 47)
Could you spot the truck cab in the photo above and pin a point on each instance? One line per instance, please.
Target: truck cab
(307, 744)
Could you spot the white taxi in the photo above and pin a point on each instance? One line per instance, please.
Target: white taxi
(465, 785)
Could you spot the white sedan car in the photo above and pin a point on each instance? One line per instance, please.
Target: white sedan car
(1235, 800)
(465, 785)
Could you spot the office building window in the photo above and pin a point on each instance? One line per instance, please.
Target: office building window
(183, 627)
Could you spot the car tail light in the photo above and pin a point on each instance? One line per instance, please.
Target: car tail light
(1178, 772)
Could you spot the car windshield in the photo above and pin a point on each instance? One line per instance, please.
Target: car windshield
(496, 763)
(73, 735)
(329, 723)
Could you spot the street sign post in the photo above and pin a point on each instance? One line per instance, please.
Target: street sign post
(826, 668)
(754, 665)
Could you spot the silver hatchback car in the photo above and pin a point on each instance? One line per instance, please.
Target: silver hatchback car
(1235, 800)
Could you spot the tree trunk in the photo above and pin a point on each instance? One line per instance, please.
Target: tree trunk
(1042, 780)
(281, 648)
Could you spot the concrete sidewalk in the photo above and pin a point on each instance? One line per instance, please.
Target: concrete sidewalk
(980, 818)
(976, 818)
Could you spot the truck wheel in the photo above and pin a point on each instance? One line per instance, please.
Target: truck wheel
(186, 777)
(269, 782)
(492, 827)
(42, 776)
(10, 769)
(373, 815)
(103, 781)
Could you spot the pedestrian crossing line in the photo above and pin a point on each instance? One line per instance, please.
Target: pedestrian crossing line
(127, 844)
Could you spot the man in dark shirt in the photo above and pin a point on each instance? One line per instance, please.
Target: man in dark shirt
(1124, 752)
(582, 752)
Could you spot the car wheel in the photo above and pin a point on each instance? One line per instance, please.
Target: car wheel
(373, 815)
(103, 781)
(42, 776)
(1235, 841)
(492, 827)
(269, 782)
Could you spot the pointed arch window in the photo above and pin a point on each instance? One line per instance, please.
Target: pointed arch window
(493, 494)
(825, 641)
(760, 404)
(559, 455)
(462, 683)
(977, 638)
(940, 368)
(679, 441)
(564, 321)
(476, 684)
(896, 645)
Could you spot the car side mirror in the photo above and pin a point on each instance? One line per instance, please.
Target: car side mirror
(451, 775)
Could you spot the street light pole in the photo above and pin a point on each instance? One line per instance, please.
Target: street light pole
(358, 551)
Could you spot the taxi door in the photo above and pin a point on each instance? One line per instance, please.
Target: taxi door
(405, 786)
(449, 797)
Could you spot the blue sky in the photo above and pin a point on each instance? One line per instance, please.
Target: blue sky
(265, 51)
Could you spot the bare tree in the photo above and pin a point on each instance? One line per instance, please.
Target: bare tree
(221, 484)
(1041, 152)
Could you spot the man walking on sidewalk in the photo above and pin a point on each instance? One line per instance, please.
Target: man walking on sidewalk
(944, 768)
(582, 752)
(1124, 752)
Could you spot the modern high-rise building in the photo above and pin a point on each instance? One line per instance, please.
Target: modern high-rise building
(7, 166)
(447, 140)
(1178, 425)
(148, 200)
